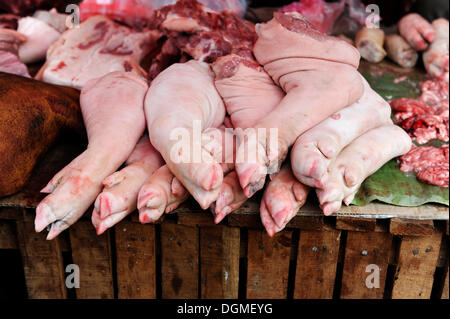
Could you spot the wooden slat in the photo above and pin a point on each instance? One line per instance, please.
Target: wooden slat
(356, 224)
(409, 227)
(200, 219)
(307, 222)
(364, 249)
(136, 263)
(179, 265)
(252, 221)
(42, 262)
(445, 289)
(317, 258)
(8, 235)
(268, 264)
(416, 266)
(92, 254)
(219, 260)
(10, 213)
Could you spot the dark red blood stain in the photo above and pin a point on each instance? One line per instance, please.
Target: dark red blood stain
(100, 30)
(127, 66)
(61, 65)
(336, 116)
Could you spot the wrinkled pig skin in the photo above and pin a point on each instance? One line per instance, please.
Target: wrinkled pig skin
(32, 115)
(363, 157)
(313, 151)
(177, 98)
(112, 109)
(319, 75)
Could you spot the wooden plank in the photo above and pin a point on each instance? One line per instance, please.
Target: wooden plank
(199, 219)
(136, 260)
(8, 234)
(307, 222)
(252, 221)
(366, 255)
(92, 254)
(445, 289)
(317, 258)
(416, 266)
(10, 213)
(268, 264)
(409, 227)
(179, 264)
(42, 262)
(356, 224)
(219, 260)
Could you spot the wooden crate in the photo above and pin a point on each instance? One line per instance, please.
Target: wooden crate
(187, 256)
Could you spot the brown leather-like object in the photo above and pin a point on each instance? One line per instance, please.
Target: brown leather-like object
(32, 115)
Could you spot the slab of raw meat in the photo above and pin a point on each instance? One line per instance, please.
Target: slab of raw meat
(182, 97)
(10, 41)
(430, 163)
(427, 117)
(195, 31)
(318, 73)
(98, 47)
(112, 108)
(436, 57)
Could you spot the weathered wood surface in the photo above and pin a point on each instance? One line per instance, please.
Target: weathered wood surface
(136, 260)
(219, 260)
(416, 266)
(356, 224)
(400, 226)
(268, 264)
(445, 289)
(317, 258)
(179, 265)
(365, 254)
(42, 262)
(8, 234)
(92, 254)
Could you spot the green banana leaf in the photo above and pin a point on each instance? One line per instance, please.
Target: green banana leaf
(389, 184)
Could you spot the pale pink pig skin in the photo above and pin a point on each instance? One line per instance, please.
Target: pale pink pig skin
(319, 75)
(314, 150)
(120, 190)
(178, 97)
(363, 157)
(112, 108)
(436, 58)
(417, 31)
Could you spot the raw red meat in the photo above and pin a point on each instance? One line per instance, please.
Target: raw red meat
(430, 163)
(322, 15)
(137, 13)
(427, 117)
(205, 38)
